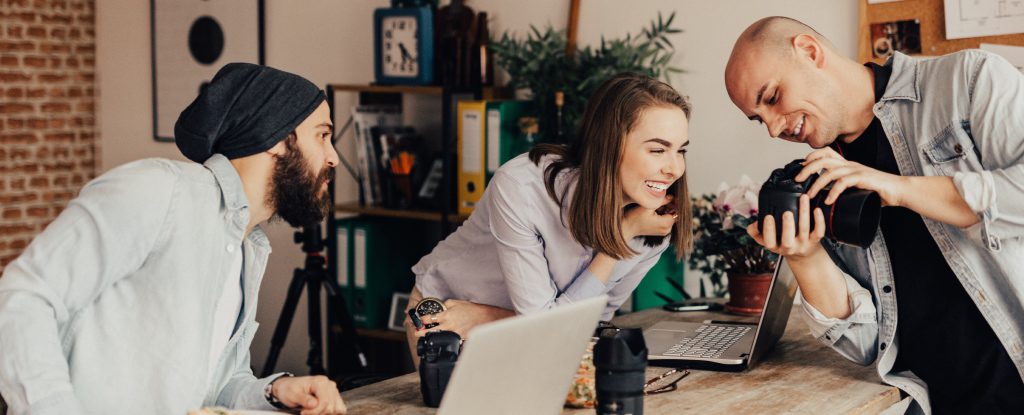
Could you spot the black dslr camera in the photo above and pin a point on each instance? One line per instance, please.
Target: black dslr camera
(852, 219)
(438, 352)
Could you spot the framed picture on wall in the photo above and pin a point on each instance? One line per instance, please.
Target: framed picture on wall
(191, 40)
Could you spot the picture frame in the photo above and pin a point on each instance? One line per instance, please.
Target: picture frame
(191, 41)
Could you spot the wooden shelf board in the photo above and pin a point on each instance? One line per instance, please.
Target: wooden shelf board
(396, 213)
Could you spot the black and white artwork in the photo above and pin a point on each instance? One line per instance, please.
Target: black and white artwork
(191, 40)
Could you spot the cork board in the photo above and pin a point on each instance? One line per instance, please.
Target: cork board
(930, 15)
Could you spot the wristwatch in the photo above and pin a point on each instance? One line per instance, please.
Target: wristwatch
(268, 392)
(429, 306)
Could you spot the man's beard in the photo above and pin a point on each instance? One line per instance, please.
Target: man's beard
(295, 193)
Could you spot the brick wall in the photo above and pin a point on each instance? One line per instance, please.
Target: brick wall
(48, 144)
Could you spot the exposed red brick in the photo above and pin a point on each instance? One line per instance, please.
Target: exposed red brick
(15, 108)
(52, 77)
(14, 92)
(7, 60)
(51, 107)
(36, 32)
(12, 77)
(12, 213)
(38, 212)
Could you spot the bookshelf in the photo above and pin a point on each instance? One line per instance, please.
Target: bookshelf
(386, 349)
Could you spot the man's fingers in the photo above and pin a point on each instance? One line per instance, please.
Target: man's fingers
(819, 223)
(769, 233)
(788, 241)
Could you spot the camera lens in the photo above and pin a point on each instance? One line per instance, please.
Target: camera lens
(620, 360)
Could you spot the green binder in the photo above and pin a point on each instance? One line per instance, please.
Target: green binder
(383, 253)
(504, 140)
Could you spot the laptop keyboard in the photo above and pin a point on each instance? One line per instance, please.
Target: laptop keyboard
(708, 342)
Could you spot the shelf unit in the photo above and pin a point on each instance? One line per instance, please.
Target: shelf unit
(446, 216)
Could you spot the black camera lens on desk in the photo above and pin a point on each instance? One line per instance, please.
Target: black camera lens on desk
(438, 352)
(620, 362)
(852, 219)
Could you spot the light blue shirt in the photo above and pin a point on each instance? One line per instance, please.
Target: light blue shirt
(516, 252)
(110, 309)
(959, 115)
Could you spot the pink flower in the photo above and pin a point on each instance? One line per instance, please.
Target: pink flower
(739, 200)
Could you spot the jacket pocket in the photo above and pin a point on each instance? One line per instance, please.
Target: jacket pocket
(951, 150)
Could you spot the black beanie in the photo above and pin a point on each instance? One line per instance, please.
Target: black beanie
(246, 109)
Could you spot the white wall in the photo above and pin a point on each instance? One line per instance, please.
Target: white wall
(330, 41)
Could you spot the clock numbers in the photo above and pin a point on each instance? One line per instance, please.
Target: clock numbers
(400, 46)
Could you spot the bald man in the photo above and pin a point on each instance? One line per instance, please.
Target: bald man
(938, 298)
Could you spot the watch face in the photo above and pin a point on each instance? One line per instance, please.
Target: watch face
(399, 46)
(427, 306)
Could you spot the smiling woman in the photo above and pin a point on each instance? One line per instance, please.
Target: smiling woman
(566, 223)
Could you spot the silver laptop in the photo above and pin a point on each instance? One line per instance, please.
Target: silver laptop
(524, 364)
(723, 345)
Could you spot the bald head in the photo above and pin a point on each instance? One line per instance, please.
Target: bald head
(788, 76)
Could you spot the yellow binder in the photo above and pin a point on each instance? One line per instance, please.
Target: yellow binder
(472, 132)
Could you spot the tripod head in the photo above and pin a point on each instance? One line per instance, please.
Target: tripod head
(309, 237)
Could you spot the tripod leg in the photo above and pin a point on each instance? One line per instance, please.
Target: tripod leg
(315, 359)
(284, 322)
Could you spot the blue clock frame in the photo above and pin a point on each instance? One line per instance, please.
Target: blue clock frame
(424, 39)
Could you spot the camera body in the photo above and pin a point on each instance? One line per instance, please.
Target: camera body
(852, 219)
(438, 352)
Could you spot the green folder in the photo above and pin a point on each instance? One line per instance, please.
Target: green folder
(383, 253)
(504, 140)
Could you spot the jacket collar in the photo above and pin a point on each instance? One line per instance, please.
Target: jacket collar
(904, 81)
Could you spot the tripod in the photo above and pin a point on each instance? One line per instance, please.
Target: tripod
(312, 275)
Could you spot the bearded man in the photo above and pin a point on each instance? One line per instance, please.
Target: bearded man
(140, 297)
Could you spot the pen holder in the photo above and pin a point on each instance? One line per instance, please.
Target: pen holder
(403, 190)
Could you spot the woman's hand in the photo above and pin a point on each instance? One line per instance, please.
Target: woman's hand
(461, 316)
(639, 221)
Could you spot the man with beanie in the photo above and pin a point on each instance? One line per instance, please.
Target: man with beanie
(140, 297)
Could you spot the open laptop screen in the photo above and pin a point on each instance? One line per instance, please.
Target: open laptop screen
(776, 311)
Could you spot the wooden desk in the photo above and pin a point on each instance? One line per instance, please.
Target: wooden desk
(800, 375)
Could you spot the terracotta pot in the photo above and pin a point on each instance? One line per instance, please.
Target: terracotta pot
(747, 293)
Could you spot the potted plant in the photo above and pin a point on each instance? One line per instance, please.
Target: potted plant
(541, 67)
(723, 249)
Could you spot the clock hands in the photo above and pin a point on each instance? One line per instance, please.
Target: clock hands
(406, 56)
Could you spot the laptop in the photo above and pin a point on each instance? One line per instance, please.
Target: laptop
(523, 364)
(725, 346)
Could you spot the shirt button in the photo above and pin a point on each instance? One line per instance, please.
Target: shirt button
(958, 149)
(887, 289)
(882, 346)
(230, 248)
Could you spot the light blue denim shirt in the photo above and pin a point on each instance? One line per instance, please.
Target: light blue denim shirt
(110, 309)
(959, 115)
(515, 251)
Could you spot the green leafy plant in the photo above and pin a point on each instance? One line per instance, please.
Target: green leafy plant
(540, 64)
(721, 243)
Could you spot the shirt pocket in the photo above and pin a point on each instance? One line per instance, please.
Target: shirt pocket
(951, 150)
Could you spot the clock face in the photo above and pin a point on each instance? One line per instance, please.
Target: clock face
(399, 45)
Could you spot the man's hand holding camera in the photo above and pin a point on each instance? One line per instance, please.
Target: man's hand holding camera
(844, 174)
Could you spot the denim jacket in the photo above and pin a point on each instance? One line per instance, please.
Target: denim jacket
(959, 115)
(109, 309)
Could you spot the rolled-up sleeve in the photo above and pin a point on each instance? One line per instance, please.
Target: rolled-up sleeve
(521, 252)
(997, 124)
(855, 336)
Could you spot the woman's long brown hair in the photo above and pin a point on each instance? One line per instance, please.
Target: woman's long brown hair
(596, 212)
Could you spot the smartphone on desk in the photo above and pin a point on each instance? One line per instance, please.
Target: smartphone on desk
(692, 305)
